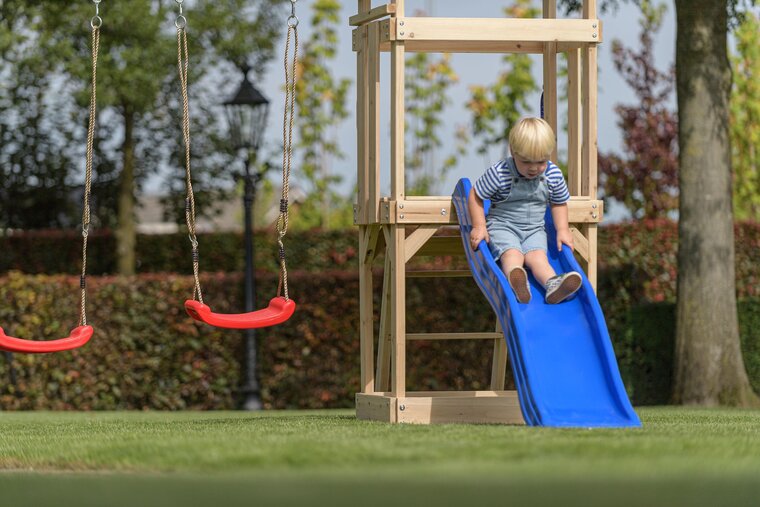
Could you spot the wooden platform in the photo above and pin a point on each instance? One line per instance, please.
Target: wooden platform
(436, 407)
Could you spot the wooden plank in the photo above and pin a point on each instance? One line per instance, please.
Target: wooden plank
(418, 238)
(373, 136)
(362, 107)
(440, 210)
(591, 231)
(501, 409)
(580, 243)
(398, 309)
(499, 47)
(574, 123)
(373, 407)
(384, 341)
(590, 126)
(496, 29)
(453, 273)
(398, 125)
(589, 9)
(550, 76)
(499, 361)
(550, 90)
(366, 313)
(399, 7)
(373, 235)
(454, 336)
(435, 210)
(378, 12)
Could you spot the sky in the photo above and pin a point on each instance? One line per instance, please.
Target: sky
(472, 69)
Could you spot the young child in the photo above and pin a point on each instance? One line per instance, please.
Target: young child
(520, 187)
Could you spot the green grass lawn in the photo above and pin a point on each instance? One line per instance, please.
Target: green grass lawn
(680, 457)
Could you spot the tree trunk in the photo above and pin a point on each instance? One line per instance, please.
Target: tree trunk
(126, 237)
(709, 369)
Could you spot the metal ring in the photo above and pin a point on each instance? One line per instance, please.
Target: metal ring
(180, 22)
(96, 22)
(293, 21)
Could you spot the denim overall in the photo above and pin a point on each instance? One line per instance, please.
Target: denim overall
(518, 221)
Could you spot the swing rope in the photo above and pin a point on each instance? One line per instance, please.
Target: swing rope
(95, 24)
(183, 59)
(80, 335)
(280, 308)
(287, 143)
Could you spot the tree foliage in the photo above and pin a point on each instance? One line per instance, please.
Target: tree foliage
(321, 103)
(645, 178)
(497, 107)
(745, 119)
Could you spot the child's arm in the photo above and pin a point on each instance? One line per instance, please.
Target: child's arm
(478, 215)
(559, 214)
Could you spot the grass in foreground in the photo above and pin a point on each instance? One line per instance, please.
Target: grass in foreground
(680, 456)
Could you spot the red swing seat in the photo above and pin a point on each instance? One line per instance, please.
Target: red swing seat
(77, 338)
(278, 311)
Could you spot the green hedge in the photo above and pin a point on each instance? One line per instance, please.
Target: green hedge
(48, 252)
(640, 257)
(146, 353)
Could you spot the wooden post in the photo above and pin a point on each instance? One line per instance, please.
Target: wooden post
(574, 123)
(550, 76)
(373, 71)
(590, 133)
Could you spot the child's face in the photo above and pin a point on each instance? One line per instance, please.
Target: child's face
(530, 168)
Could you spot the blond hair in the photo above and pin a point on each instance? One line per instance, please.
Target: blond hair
(532, 138)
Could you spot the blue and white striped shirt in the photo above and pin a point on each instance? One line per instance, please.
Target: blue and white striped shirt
(496, 182)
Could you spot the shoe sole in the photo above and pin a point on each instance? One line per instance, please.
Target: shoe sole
(569, 286)
(518, 280)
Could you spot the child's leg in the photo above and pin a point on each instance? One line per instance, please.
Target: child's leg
(511, 259)
(538, 264)
(560, 287)
(512, 264)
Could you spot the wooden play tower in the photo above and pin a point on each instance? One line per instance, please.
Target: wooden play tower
(402, 226)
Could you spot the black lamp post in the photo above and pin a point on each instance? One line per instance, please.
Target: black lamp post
(247, 113)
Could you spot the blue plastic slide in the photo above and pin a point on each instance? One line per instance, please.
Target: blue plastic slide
(561, 355)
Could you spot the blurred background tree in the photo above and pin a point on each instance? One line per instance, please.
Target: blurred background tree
(745, 119)
(645, 178)
(321, 105)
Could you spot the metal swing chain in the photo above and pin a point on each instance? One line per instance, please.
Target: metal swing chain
(95, 23)
(182, 63)
(287, 143)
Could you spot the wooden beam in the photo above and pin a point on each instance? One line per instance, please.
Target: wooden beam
(580, 243)
(550, 76)
(362, 126)
(499, 361)
(373, 122)
(384, 343)
(496, 29)
(398, 308)
(454, 336)
(440, 210)
(371, 15)
(590, 126)
(418, 238)
(366, 312)
(398, 125)
(427, 46)
(574, 123)
(452, 273)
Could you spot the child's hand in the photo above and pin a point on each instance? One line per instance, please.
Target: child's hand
(564, 236)
(478, 234)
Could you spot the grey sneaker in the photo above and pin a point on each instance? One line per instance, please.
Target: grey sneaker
(518, 280)
(561, 287)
